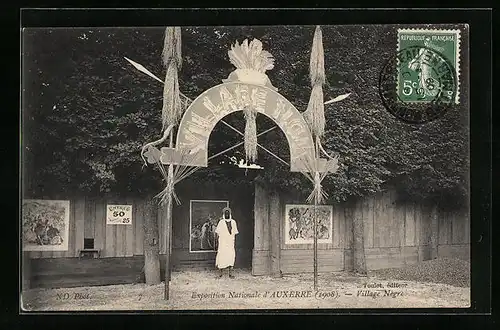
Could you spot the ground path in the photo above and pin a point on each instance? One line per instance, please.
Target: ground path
(201, 290)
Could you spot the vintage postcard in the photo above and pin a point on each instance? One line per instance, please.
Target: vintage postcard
(245, 167)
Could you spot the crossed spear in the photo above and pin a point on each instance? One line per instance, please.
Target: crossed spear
(141, 68)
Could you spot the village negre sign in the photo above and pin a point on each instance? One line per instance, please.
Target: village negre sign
(217, 102)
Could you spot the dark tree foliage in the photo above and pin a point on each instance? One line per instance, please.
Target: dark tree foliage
(87, 112)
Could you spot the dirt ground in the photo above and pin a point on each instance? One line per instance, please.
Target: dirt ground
(201, 290)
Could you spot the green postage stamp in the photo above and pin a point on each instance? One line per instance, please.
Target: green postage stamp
(427, 59)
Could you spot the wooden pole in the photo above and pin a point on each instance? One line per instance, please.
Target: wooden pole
(316, 152)
(315, 246)
(168, 228)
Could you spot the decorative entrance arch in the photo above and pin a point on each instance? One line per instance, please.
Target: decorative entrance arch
(247, 89)
(217, 102)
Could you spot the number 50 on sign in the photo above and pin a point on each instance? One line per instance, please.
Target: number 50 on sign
(119, 215)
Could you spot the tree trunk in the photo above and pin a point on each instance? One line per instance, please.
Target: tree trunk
(358, 242)
(151, 246)
(434, 231)
(274, 234)
(26, 271)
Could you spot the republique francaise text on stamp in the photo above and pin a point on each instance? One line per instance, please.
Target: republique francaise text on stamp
(421, 81)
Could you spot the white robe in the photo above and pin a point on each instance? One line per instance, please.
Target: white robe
(225, 252)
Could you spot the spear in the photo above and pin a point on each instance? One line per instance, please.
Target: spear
(338, 98)
(315, 117)
(142, 69)
(171, 114)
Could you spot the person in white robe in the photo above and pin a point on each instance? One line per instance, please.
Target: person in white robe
(226, 231)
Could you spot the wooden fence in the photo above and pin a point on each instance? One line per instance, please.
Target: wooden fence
(88, 220)
(395, 234)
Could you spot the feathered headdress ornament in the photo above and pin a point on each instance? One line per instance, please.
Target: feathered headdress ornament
(251, 56)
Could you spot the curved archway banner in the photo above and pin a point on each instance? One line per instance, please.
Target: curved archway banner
(217, 102)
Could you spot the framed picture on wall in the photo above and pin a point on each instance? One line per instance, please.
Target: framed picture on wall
(45, 225)
(299, 224)
(203, 218)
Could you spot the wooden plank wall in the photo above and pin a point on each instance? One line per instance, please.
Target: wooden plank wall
(295, 258)
(261, 218)
(387, 225)
(395, 234)
(72, 272)
(301, 260)
(452, 229)
(88, 220)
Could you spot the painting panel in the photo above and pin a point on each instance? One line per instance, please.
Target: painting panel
(45, 225)
(204, 216)
(299, 224)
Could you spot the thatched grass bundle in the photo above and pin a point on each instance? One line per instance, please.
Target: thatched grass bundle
(174, 174)
(317, 194)
(315, 113)
(172, 59)
(172, 50)
(250, 134)
(172, 104)
(315, 171)
(317, 60)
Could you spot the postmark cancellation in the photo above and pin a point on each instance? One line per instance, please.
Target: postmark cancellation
(419, 80)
